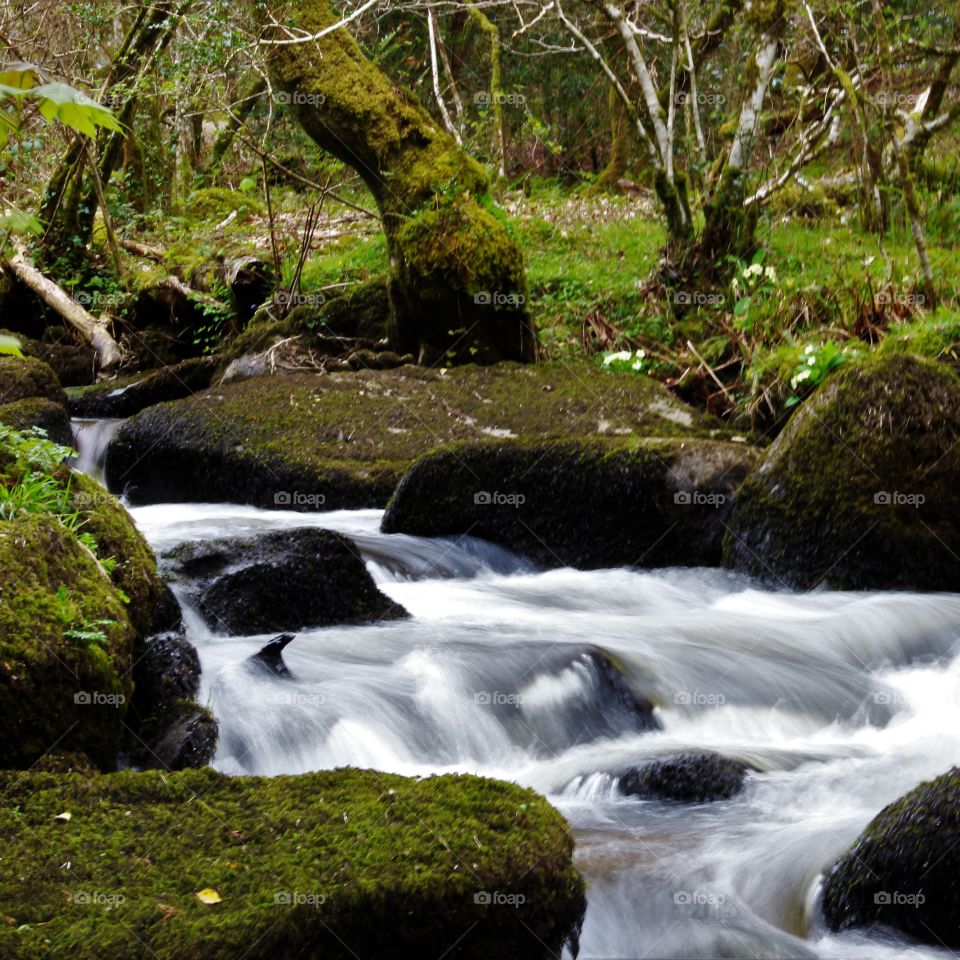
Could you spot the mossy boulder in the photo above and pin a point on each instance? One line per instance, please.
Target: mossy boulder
(860, 490)
(129, 395)
(73, 363)
(337, 864)
(66, 647)
(23, 377)
(135, 571)
(686, 778)
(902, 870)
(39, 412)
(330, 441)
(587, 504)
(283, 580)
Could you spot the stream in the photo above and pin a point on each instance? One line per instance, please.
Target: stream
(842, 701)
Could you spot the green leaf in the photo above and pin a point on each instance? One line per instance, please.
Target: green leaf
(16, 78)
(10, 346)
(60, 101)
(742, 306)
(19, 221)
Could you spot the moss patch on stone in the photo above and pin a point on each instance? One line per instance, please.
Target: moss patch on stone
(56, 681)
(588, 503)
(135, 571)
(860, 491)
(22, 377)
(348, 437)
(38, 412)
(337, 864)
(902, 870)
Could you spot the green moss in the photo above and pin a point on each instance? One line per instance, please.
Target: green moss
(341, 864)
(859, 490)
(349, 437)
(135, 570)
(25, 377)
(50, 586)
(217, 203)
(900, 872)
(38, 412)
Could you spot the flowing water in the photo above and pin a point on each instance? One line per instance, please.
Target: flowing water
(842, 702)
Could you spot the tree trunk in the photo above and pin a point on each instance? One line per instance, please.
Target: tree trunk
(457, 282)
(619, 158)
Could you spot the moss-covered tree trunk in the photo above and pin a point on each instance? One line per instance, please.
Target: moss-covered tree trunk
(620, 142)
(457, 283)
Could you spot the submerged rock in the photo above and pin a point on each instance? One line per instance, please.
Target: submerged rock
(343, 440)
(902, 871)
(337, 864)
(283, 580)
(651, 502)
(687, 778)
(860, 490)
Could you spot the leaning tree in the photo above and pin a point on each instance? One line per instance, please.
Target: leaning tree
(457, 284)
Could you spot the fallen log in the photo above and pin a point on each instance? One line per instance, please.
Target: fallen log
(92, 330)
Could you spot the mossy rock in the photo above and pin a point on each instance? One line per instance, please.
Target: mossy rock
(73, 363)
(126, 396)
(217, 203)
(282, 580)
(587, 504)
(337, 864)
(860, 490)
(902, 870)
(39, 412)
(24, 377)
(343, 440)
(59, 688)
(686, 778)
(135, 573)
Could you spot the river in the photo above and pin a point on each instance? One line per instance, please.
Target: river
(841, 701)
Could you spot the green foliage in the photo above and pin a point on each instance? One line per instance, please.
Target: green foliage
(10, 345)
(814, 367)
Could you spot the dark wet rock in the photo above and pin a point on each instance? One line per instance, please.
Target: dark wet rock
(902, 870)
(343, 440)
(687, 778)
(129, 395)
(190, 740)
(283, 580)
(860, 490)
(587, 504)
